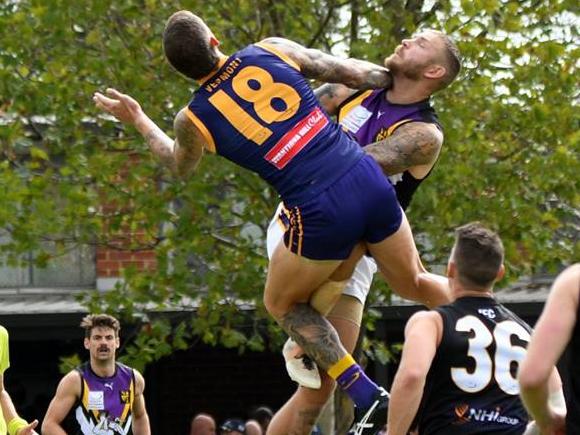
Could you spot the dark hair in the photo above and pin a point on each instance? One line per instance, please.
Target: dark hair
(478, 255)
(262, 414)
(100, 321)
(186, 43)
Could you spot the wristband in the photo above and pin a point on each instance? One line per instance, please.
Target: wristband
(15, 425)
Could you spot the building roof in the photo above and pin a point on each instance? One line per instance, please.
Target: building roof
(526, 290)
(29, 301)
(41, 301)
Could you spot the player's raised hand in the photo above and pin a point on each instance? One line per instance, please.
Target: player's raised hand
(123, 107)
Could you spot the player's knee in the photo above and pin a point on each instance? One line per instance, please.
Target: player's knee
(276, 305)
(409, 289)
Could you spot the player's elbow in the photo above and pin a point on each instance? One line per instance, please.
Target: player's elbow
(531, 378)
(48, 426)
(410, 378)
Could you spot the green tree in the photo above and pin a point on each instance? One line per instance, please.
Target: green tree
(511, 156)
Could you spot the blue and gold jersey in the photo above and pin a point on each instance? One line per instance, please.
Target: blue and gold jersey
(259, 112)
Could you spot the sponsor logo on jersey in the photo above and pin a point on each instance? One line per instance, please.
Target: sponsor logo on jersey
(466, 413)
(96, 401)
(355, 119)
(296, 139)
(125, 396)
(383, 133)
(461, 413)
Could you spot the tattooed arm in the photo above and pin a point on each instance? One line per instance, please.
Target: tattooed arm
(180, 156)
(413, 146)
(315, 64)
(331, 95)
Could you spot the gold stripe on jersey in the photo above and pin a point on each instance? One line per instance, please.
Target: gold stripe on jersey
(272, 49)
(344, 110)
(393, 127)
(85, 400)
(210, 143)
(128, 405)
(300, 231)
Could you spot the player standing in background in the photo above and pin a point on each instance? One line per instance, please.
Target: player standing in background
(457, 373)
(102, 396)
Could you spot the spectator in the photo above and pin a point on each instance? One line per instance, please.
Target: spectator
(253, 428)
(263, 415)
(233, 426)
(202, 424)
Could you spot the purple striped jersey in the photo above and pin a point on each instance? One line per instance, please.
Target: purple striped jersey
(369, 117)
(105, 404)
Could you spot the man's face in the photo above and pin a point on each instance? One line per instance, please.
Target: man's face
(414, 55)
(102, 343)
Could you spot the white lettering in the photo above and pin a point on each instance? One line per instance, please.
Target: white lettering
(487, 415)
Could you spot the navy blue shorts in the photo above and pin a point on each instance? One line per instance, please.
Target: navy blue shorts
(359, 206)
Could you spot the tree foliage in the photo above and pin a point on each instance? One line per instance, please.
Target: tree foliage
(511, 156)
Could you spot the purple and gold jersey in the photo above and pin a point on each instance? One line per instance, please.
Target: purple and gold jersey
(105, 403)
(259, 112)
(369, 117)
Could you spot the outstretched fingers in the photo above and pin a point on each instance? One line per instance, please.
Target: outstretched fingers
(103, 102)
(116, 94)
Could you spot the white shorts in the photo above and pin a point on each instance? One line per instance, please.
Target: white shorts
(359, 284)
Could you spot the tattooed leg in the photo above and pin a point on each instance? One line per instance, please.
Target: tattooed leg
(320, 341)
(314, 334)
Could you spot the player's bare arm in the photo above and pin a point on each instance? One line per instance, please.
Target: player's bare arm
(413, 146)
(189, 144)
(140, 418)
(67, 393)
(315, 64)
(422, 336)
(549, 339)
(331, 95)
(181, 156)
